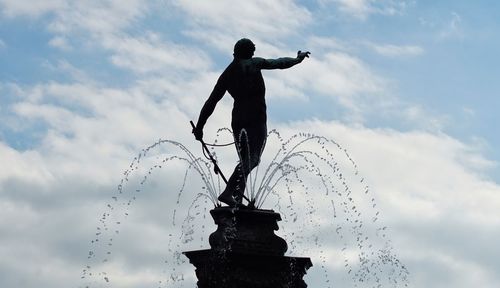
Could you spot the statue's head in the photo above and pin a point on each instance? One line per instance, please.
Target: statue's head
(244, 49)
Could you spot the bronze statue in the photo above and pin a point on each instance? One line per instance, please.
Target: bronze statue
(243, 80)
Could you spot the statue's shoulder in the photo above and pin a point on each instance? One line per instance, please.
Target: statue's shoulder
(257, 60)
(255, 63)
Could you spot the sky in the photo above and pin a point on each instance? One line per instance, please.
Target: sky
(407, 87)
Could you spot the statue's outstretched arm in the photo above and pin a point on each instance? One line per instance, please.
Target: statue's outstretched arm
(282, 63)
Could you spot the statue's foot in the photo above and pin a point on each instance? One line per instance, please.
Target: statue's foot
(227, 198)
(251, 204)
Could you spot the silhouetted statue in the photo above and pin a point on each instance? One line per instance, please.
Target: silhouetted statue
(243, 80)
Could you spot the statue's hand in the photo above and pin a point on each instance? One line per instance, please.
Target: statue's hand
(198, 133)
(301, 55)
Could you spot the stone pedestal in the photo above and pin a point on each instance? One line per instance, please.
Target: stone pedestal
(245, 253)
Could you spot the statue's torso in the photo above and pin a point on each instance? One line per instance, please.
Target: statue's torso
(245, 83)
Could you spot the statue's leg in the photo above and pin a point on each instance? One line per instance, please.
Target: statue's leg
(252, 140)
(236, 180)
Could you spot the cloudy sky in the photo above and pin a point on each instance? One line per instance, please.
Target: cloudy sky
(407, 87)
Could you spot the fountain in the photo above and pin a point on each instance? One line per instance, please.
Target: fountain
(313, 186)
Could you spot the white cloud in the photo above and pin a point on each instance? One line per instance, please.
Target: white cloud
(362, 9)
(36, 172)
(431, 187)
(413, 187)
(151, 54)
(102, 25)
(431, 197)
(221, 23)
(83, 142)
(409, 172)
(96, 17)
(13, 8)
(66, 68)
(423, 165)
(427, 119)
(340, 76)
(60, 43)
(90, 21)
(343, 74)
(397, 50)
(272, 18)
(2, 44)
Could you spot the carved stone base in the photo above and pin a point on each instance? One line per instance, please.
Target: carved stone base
(238, 270)
(246, 253)
(247, 231)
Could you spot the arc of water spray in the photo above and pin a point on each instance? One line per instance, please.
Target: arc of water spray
(216, 167)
